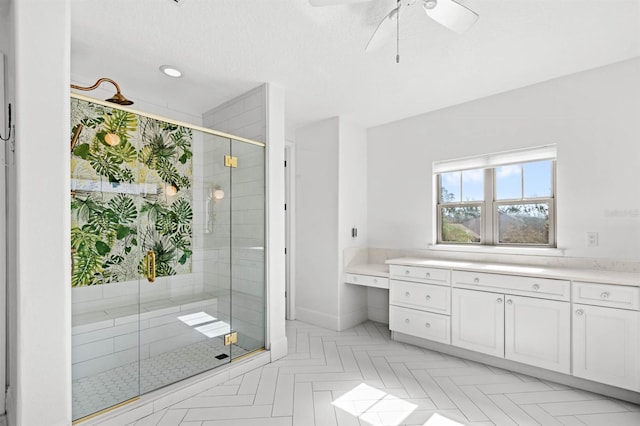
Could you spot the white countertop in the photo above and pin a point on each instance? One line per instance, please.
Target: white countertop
(373, 269)
(589, 275)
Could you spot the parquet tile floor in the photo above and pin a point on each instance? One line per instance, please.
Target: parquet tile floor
(362, 377)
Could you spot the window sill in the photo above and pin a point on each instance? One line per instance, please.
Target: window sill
(529, 251)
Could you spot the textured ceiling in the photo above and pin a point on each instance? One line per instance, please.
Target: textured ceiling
(226, 47)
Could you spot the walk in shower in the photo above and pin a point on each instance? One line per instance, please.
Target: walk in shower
(168, 256)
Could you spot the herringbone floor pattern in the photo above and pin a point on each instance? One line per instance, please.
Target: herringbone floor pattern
(362, 377)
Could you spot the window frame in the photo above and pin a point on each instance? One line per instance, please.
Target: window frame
(489, 229)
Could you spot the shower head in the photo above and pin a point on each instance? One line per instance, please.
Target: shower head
(116, 99)
(119, 99)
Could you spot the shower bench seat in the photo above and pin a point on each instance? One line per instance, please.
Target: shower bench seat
(104, 339)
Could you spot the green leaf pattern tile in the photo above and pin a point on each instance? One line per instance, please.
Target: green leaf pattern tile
(129, 197)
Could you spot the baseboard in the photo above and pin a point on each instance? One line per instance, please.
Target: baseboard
(540, 373)
(278, 348)
(320, 319)
(352, 319)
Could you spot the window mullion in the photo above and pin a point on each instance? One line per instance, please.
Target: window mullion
(489, 185)
(521, 181)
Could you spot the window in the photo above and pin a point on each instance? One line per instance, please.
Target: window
(497, 199)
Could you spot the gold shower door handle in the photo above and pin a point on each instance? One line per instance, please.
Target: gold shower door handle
(151, 266)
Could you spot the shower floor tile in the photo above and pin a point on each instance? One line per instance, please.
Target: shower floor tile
(103, 390)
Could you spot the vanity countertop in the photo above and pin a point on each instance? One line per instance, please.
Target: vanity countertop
(589, 275)
(373, 269)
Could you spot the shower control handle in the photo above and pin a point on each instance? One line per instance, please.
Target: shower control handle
(151, 266)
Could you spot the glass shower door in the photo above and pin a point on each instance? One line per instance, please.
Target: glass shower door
(182, 322)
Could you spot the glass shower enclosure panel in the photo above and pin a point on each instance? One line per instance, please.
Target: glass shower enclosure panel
(151, 248)
(106, 201)
(247, 289)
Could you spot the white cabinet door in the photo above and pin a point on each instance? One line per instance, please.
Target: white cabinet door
(477, 321)
(605, 345)
(537, 332)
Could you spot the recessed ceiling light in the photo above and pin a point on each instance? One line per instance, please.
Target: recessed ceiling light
(171, 71)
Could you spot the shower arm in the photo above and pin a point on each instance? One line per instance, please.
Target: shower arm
(118, 98)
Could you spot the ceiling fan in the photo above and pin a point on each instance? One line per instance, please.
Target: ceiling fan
(448, 13)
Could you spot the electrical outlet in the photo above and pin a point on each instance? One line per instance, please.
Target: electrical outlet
(592, 239)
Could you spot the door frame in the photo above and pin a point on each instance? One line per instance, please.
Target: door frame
(4, 131)
(290, 229)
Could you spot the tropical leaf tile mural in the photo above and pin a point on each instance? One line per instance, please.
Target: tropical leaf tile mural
(131, 178)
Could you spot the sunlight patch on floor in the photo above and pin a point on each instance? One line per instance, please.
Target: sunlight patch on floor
(375, 407)
(438, 420)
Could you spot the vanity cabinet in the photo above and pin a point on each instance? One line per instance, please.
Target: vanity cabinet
(530, 330)
(420, 302)
(605, 337)
(534, 316)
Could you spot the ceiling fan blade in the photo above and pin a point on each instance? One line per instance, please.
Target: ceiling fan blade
(317, 3)
(450, 14)
(383, 32)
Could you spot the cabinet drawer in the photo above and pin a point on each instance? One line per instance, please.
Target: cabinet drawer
(367, 280)
(418, 273)
(427, 297)
(616, 296)
(420, 324)
(513, 284)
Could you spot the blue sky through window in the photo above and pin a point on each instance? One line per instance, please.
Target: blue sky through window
(537, 180)
(473, 185)
(533, 177)
(472, 188)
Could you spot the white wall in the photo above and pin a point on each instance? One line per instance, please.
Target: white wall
(5, 22)
(591, 116)
(330, 186)
(40, 392)
(276, 274)
(317, 267)
(352, 212)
